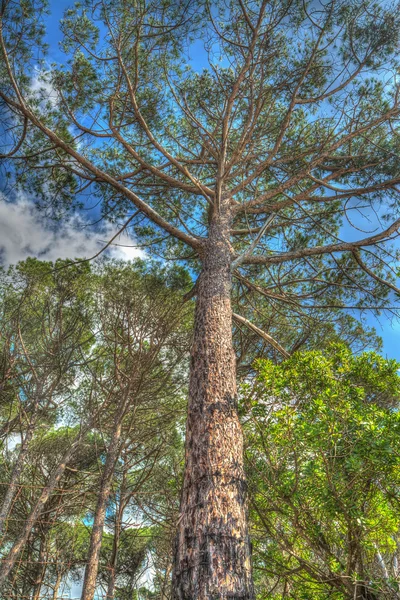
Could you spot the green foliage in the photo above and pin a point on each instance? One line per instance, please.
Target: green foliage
(78, 342)
(131, 104)
(323, 448)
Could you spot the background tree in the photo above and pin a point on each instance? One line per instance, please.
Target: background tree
(144, 334)
(112, 416)
(44, 329)
(323, 456)
(298, 134)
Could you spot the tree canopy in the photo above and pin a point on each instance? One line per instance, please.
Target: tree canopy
(299, 130)
(323, 462)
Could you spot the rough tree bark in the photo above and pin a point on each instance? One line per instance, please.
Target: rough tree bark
(212, 554)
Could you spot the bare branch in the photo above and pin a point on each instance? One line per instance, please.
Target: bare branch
(265, 336)
(385, 235)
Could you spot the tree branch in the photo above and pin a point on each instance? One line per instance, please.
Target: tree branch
(330, 248)
(261, 333)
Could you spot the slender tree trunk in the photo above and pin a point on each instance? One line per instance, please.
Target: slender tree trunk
(166, 585)
(212, 555)
(113, 566)
(16, 474)
(364, 592)
(117, 535)
(361, 591)
(57, 585)
(92, 565)
(41, 570)
(54, 479)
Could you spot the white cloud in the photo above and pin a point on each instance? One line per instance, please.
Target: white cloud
(42, 87)
(24, 233)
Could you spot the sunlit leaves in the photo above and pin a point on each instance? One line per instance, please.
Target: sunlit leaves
(323, 446)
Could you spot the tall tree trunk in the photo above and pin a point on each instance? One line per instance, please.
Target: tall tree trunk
(117, 534)
(41, 570)
(113, 568)
(57, 585)
(212, 555)
(92, 565)
(165, 592)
